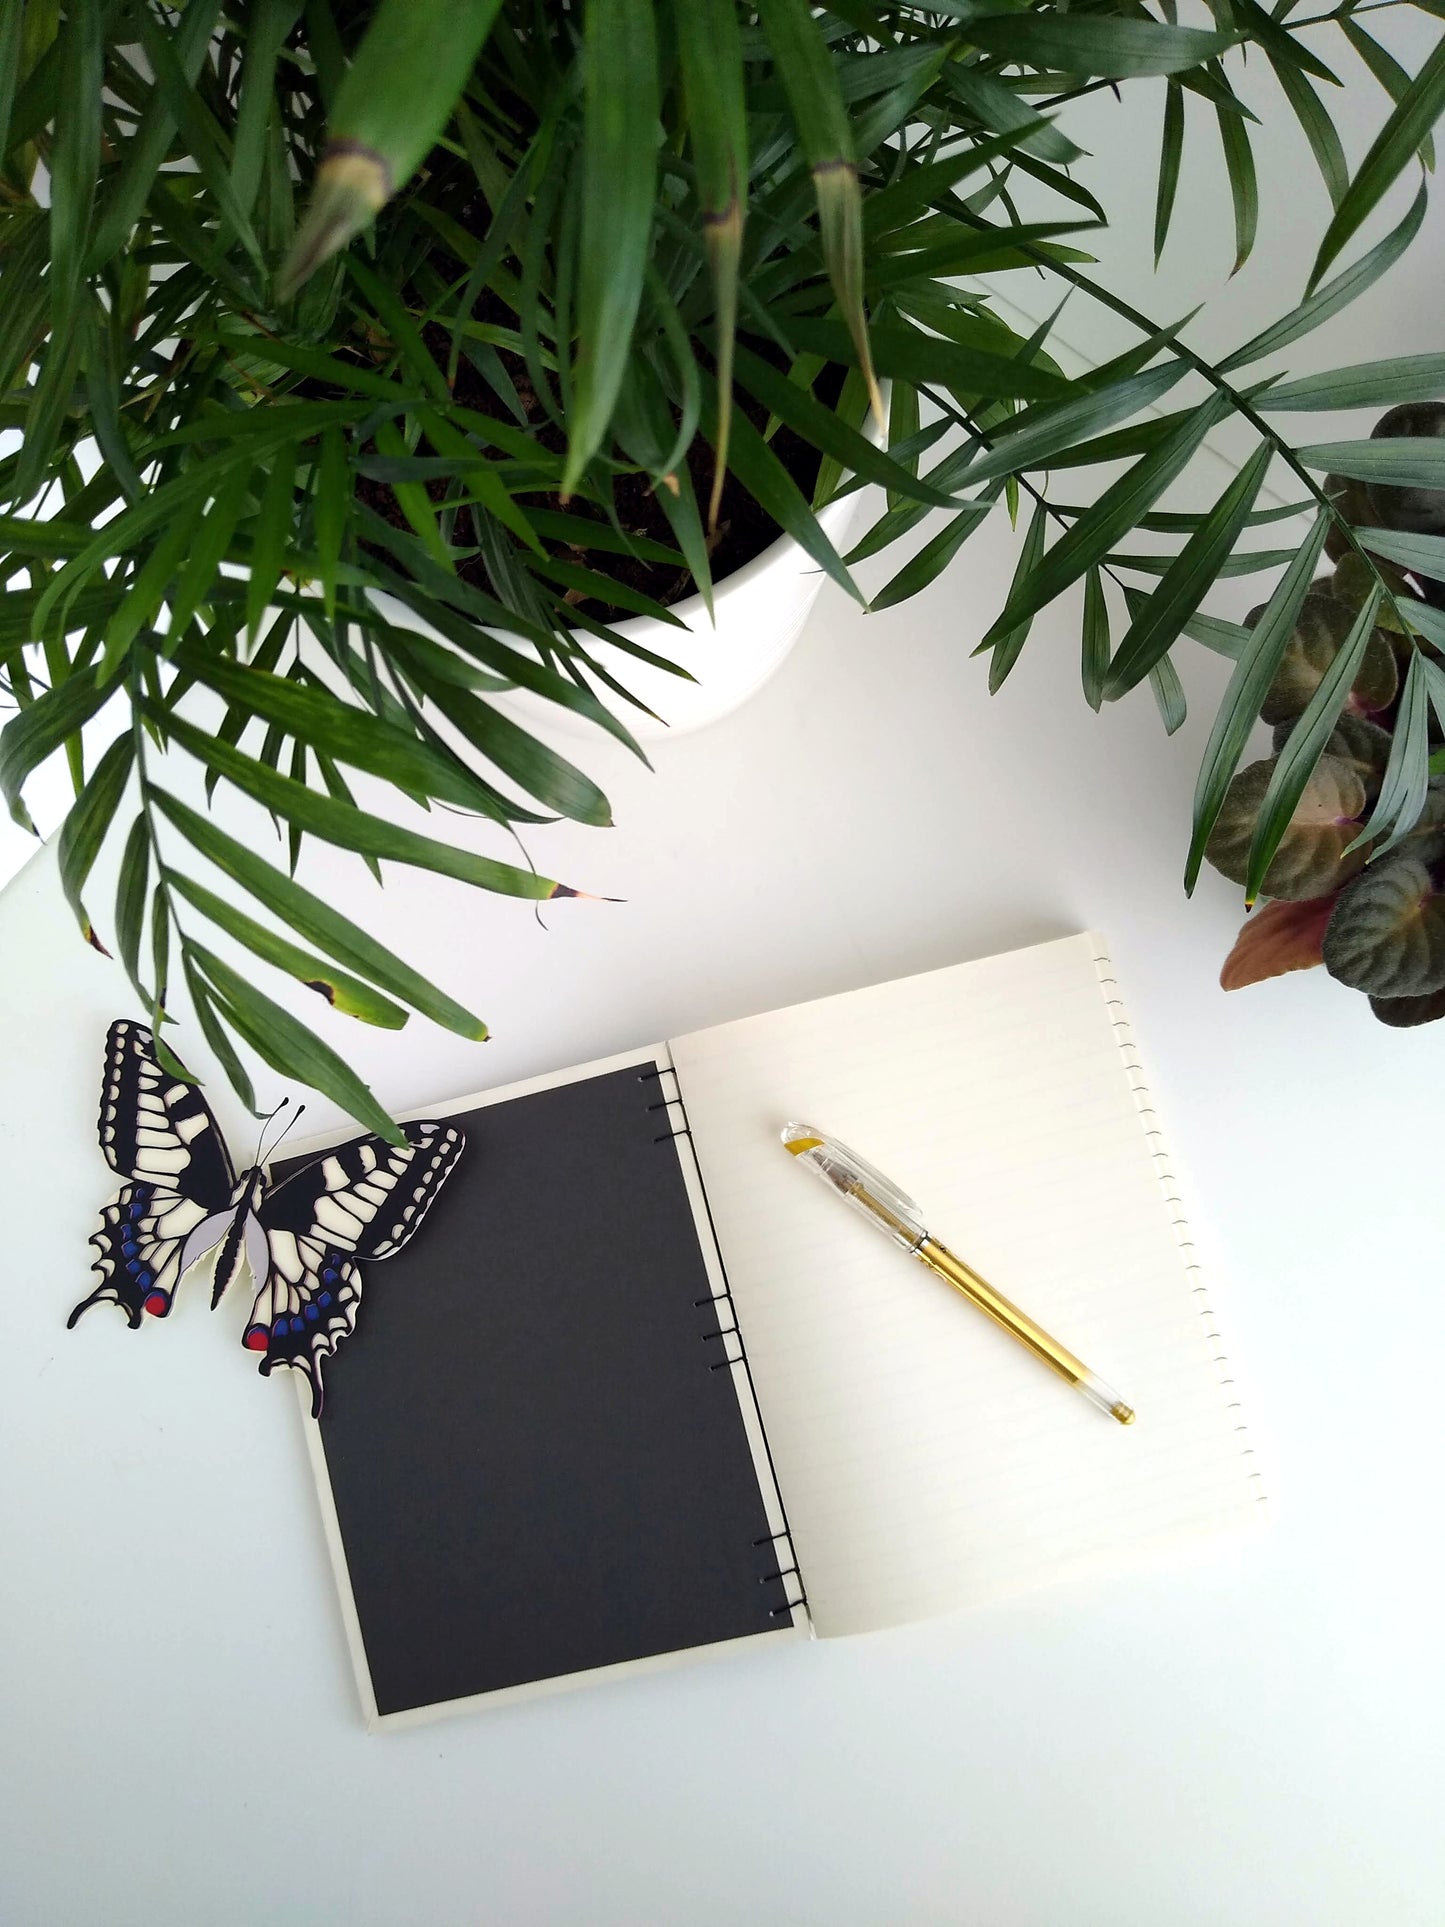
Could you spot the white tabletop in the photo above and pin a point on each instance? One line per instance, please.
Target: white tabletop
(1248, 1734)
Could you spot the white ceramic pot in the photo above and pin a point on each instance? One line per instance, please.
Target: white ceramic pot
(760, 610)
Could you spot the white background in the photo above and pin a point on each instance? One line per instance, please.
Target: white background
(1248, 1735)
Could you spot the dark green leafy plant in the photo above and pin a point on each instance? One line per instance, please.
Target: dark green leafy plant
(323, 323)
(1356, 774)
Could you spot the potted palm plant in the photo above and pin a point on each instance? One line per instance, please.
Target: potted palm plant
(391, 381)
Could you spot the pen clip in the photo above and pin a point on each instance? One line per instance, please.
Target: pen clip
(862, 1184)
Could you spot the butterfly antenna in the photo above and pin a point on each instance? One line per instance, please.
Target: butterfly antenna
(291, 1121)
(268, 1121)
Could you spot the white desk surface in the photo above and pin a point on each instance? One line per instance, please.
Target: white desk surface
(1250, 1734)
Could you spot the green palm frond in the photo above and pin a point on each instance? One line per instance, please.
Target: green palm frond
(336, 336)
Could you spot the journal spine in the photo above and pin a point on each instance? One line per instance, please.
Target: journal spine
(666, 1107)
(1168, 1184)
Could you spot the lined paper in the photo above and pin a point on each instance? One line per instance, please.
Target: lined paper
(925, 1459)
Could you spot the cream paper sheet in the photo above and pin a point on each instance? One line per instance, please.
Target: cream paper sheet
(925, 1459)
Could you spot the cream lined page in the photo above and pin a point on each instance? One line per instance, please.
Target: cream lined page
(926, 1460)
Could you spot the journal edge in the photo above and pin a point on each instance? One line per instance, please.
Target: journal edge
(798, 1622)
(1164, 1173)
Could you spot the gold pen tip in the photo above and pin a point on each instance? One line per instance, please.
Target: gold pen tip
(1124, 1413)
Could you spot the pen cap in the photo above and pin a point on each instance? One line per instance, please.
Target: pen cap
(858, 1183)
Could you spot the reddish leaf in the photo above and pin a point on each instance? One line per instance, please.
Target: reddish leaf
(1281, 936)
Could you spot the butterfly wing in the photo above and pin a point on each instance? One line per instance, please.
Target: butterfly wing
(157, 1132)
(364, 1200)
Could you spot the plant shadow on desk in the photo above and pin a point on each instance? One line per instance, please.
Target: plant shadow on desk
(378, 367)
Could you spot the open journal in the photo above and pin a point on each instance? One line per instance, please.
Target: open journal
(644, 1389)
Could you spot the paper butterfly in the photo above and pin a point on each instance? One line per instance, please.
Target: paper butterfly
(299, 1240)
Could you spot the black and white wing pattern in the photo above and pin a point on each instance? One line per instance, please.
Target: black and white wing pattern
(158, 1133)
(364, 1200)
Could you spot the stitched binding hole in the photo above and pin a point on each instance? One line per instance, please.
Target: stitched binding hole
(785, 1572)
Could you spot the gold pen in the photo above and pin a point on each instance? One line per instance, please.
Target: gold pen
(869, 1192)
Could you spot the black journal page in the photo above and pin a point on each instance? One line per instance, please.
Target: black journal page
(535, 1469)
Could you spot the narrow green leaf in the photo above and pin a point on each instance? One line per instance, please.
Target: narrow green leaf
(130, 900)
(1411, 460)
(353, 829)
(270, 538)
(348, 734)
(1171, 153)
(1245, 562)
(1001, 110)
(345, 992)
(1327, 302)
(1037, 435)
(314, 919)
(773, 488)
(1187, 580)
(160, 947)
(963, 249)
(74, 159)
(289, 1047)
(160, 509)
(1095, 639)
(1168, 693)
(215, 1035)
(903, 421)
(482, 477)
(1387, 70)
(1398, 143)
(1008, 645)
(333, 493)
(618, 186)
(1317, 126)
(1243, 183)
(1082, 44)
(824, 429)
(387, 304)
(1305, 745)
(209, 547)
(1404, 785)
(1284, 50)
(1224, 638)
(1423, 553)
(554, 781)
(27, 739)
(1365, 384)
(149, 588)
(913, 356)
(144, 152)
(935, 555)
(413, 500)
(1253, 673)
(391, 104)
(1426, 621)
(1115, 512)
(811, 83)
(86, 823)
(267, 28)
(202, 136)
(710, 46)
(12, 22)
(930, 184)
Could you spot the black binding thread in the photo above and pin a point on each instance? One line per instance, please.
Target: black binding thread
(782, 1574)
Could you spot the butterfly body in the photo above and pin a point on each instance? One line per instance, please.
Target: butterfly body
(300, 1240)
